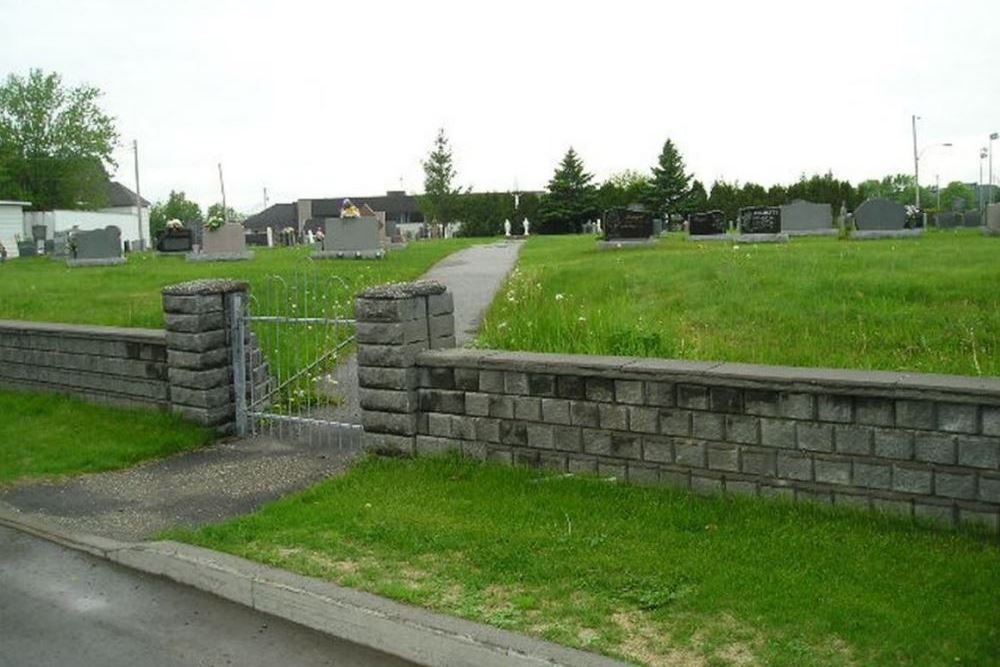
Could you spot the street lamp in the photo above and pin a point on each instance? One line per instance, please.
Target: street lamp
(993, 137)
(916, 160)
(983, 152)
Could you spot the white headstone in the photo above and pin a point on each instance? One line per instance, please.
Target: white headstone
(270, 237)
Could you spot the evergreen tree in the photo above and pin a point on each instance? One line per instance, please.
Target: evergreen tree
(572, 198)
(697, 199)
(669, 185)
(438, 201)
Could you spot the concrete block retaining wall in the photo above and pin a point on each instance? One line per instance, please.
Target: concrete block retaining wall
(186, 368)
(915, 444)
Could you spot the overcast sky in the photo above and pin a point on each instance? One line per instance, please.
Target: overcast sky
(344, 98)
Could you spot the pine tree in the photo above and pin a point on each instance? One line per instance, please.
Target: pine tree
(438, 200)
(669, 186)
(572, 198)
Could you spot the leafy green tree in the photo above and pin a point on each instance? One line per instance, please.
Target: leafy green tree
(622, 190)
(177, 207)
(670, 183)
(954, 191)
(55, 143)
(571, 200)
(438, 201)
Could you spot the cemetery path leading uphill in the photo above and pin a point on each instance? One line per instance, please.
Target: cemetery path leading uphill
(237, 476)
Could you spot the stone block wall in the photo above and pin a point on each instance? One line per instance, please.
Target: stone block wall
(187, 368)
(919, 445)
(105, 364)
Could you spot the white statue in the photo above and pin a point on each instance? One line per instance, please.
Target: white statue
(527, 227)
(310, 239)
(599, 230)
(506, 227)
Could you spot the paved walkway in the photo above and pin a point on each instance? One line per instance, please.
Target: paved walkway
(236, 477)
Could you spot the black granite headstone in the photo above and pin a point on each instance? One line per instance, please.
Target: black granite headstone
(760, 220)
(622, 223)
(175, 240)
(707, 223)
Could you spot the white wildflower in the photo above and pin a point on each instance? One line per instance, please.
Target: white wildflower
(560, 297)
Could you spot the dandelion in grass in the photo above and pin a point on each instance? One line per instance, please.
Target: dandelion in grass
(560, 297)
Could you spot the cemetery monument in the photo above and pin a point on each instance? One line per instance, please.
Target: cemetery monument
(222, 243)
(627, 228)
(355, 237)
(992, 227)
(761, 224)
(881, 218)
(707, 226)
(805, 218)
(96, 247)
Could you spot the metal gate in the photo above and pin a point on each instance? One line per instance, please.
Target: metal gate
(289, 339)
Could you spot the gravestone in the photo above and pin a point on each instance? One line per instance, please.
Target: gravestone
(38, 232)
(760, 224)
(626, 228)
(880, 218)
(60, 244)
(96, 247)
(992, 227)
(973, 218)
(707, 226)
(805, 218)
(175, 240)
(357, 238)
(27, 249)
(946, 219)
(225, 244)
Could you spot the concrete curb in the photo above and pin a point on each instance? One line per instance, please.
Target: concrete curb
(410, 633)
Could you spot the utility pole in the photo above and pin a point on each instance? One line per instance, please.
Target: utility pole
(138, 197)
(222, 184)
(937, 189)
(265, 198)
(993, 137)
(982, 156)
(916, 161)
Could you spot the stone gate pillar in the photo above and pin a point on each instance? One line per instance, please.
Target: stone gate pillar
(394, 324)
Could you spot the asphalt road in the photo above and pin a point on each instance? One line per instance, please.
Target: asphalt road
(59, 607)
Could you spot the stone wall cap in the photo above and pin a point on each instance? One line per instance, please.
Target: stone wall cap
(206, 286)
(154, 336)
(394, 291)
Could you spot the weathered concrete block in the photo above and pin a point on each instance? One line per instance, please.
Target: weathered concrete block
(387, 400)
(442, 400)
(833, 408)
(487, 430)
(760, 402)
(706, 486)
(491, 382)
(979, 452)
(196, 342)
(915, 414)
(692, 396)
(891, 506)
(611, 470)
(872, 475)
(989, 488)
(540, 436)
(893, 444)
(194, 304)
(568, 438)
(390, 310)
(797, 406)
(501, 407)
(934, 448)
(874, 411)
(954, 485)
(778, 433)
(675, 422)
(194, 322)
(432, 446)
(657, 449)
(387, 444)
(571, 386)
(442, 326)
(641, 475)
(476, 451)
(220, 416)
(391, 333)
(584, 413)
(439, 425)
(600, 389)
(815, 437)
(832, 471)
(708, 425)
(440, 304)
(467, 379)
(614, 417)
(596, 442)
(208, 378)
(725, 399)
(792, 465)
(437, 378)
(912, 480)
(541, 385)
(556, 411)
(202, 398)
(377, 377)
(643, 420)
(991, 421)
(758, 462)
(743, 429)
(389, 422)
(629, 391)
(515, 383)
(581, 466)
(659, 394)
(689, 453)
(853, 439)
(626, 446)
(958, 417)
(477, 405)
(723, 457)
(513, 433)
(392, 356)
(528, 408)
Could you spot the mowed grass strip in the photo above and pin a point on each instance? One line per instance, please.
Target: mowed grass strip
(47, 435)
(652, 575)
(926, 305)
(40, 289)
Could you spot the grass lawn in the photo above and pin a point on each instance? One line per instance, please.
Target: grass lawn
(652, 575)
(129, 296)
(44, 435)
(927, 305)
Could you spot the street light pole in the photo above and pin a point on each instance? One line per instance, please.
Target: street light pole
(916, 161)
(993, 137)
(982, 156)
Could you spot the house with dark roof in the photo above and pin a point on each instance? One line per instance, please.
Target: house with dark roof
(401, 212)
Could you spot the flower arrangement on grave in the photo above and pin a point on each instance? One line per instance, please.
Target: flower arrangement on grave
(215, 222)
(174, 223)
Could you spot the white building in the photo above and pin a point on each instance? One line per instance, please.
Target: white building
(121, 212)
(12, 225)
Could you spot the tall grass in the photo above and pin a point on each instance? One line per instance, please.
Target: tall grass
(927, 305)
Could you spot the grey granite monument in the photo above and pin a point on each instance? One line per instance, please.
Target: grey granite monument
(881, 218)
(351, 238)
(225, 244)
(806, 218)
(992, 227)
(97, 247)
(707, 226)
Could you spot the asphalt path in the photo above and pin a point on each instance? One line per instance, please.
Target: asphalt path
(59, 607)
